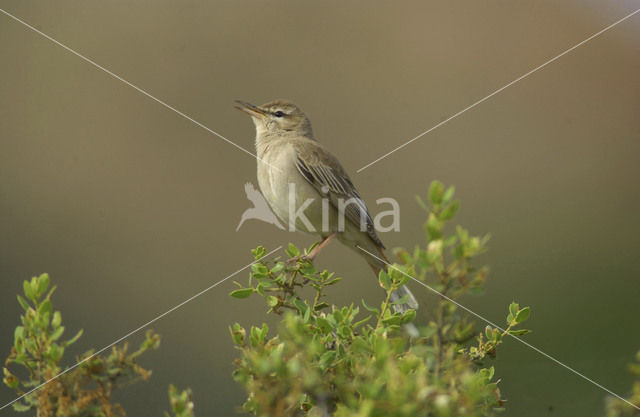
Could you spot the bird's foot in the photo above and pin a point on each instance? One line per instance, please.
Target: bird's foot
(300, 258)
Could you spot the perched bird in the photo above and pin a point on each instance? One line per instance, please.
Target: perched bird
(307, 188)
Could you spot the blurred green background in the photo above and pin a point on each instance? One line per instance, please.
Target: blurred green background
(133, 209)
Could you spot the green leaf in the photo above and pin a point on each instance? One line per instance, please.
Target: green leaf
(56, 320)
(277, 268)
(488, 331)
(433, 226)
(326, 359)
(55, 352)
(395, 318)
(272, 301)
(307, 268)
(18, 406)
(320, 306)
(74, 338)
(258, 252)
(369, 308)
(45, 308)
(408, 316)
(523, 315)
(450, 211)
(513, 309)
(28, 291)
(259, 270)
(57, 333)
(241, 293)
(18, 334)
(448, 195)
(361, 322)
(385, 281)
(292, 251)
(519, 332)
(436, 191)
(23, 303)
(43, 284)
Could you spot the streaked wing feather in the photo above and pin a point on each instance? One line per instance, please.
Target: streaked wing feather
(332, 180)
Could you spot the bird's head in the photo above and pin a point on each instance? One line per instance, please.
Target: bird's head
(278, 117)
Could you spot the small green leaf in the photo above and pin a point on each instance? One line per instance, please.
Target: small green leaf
(258, 252)
(385, 281)
(259, 270)
(56, 320)
(408, 316)
(23, 303)
(436, 191)
(395, 318)
(523, 315)
(361, 322)
(57, 333)
(513, 308)
(519, 332)
(241, 293)
(74, 338)
(43, 284)
(277, 268)
(369, 308)
(450, 211)
(320, 306)
(272, 301)
(55, 352)
(20, 407)
(448, 195)
(292, 251)
(28, 291)
(18, 335)
(488, 331)
(45, 308)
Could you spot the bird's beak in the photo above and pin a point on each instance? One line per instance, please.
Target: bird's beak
(249, 108)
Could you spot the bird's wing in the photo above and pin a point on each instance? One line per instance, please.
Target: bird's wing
(328, 177)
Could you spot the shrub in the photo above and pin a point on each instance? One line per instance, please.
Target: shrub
(347, 361)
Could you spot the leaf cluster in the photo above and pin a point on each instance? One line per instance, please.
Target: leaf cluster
(85, 390)
(328, 360)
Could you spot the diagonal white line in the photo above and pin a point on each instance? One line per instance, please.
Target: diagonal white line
(497, 91)
(135, 87)
(138, 329)
(468, 310)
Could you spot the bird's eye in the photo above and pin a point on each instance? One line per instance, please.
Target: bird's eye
(279, 113)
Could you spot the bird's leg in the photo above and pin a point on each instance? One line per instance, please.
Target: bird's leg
(314, 252)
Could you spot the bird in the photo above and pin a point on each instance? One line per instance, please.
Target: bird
(296, 172)
(260, 209)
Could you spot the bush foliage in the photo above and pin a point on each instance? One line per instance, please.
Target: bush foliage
(83, 390)
(329, 360)
(325, 360)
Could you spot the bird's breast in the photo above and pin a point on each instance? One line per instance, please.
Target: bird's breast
(283, 187)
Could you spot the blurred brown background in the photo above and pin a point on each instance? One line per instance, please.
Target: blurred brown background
(132, 209)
